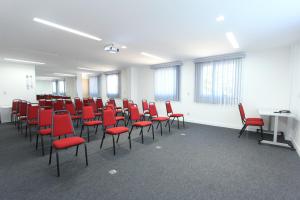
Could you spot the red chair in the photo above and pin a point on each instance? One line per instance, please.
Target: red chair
(118, 118)
(250, 122)
(145, 106)
(86, 102)
(136, 117)
(97, 113)
(99, 104)
(125, 105)
(22, 114)
(155, 118)
(173, 115)
(62, 126)
(78, 105)
(45, 124)
(74, 116)
(58, 105)
(88, 119)
(118, 108)
(109, 120)
(32, 118)
(14, 110)
(48, 103)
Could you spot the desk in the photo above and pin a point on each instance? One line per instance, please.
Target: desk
(271, 113)
(5, 112)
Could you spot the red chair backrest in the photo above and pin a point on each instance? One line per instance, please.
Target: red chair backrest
(58, 105)
(14, 105)
(70, 107)
(94, 106)
(99, 103)
(62, 124)
(88, 113)
(152, 109)
(169, 107)
(134, 112)
(112, 101)
(145, 105)
(86, 102)
(49, 103)
(45, 117)
(78, 104)
(242, 112)
(109, 118)
(23, 108)
(68, 101)
(32, 112)
(42, 102)
(125, 103)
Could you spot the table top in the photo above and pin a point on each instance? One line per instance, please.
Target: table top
(271, 112)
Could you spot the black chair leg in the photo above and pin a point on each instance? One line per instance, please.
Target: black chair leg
(50, 155)
(77, 147)
(86, 156)
(82, 127)
(88, 132)
(168, 122)
(118, 138)
(178, 122)
(142, 135)
(129, 137)
(242, 130)
(114, 145)
(150, 127)
(183, 122)
(262, 133)
(160, 128)
(37, 141)
(173, 120)
(96, 129)
(42, 141)
(102, 139)
(152, 131)
(57, 164)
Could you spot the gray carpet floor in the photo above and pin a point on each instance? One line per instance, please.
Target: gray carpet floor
(205, 163)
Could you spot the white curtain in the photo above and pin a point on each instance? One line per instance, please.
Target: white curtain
(218, 82)
(113, 85)
(61, 87)
(93, 86)
(166, 83)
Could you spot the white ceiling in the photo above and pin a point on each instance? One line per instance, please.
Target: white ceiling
(171, 29)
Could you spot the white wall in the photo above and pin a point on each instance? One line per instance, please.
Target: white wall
(13, 83)
(266, 83)
(294, 128)
(43, 87)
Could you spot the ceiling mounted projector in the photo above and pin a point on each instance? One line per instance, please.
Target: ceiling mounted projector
(111, 49)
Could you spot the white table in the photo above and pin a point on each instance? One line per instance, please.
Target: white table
(5, 112)
(276, 116)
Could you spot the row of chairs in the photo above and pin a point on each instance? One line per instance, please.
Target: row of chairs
(58, 123)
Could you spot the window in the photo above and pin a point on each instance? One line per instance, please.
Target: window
(54, 87)
(113, 85)
(61, 87)
(218, 82)
(58, 87)
(166, 83)
(93, 86)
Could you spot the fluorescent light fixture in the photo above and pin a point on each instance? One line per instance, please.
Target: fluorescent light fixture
(86, 68)
(220, 18)
(231, 38)
(62, 74)
(151, 56)
(45, 22)
(123, 47)
(23, 61)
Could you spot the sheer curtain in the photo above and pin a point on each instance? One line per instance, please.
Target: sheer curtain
(166, 83)
(113, 85)
(218, 82)
(93, 86)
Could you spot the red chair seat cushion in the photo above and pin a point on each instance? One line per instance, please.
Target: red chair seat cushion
(120, 118)
(92, 123)
(67, 142)
(176, 115)
(45, 131)
(33, 122)
(251, 119)
(75, 117)
(142, 123)
(98, 114)
(117, 130)
(254, 122)
(160, 119)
